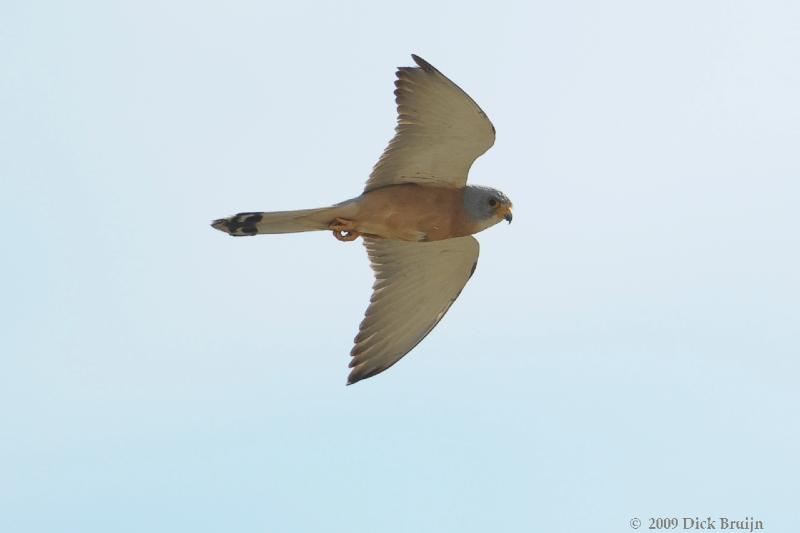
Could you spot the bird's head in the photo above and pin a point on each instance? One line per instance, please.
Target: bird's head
(486, 206)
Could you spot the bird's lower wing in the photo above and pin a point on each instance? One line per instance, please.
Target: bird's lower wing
(415, 285)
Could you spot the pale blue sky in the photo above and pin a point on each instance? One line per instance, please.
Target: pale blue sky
(627, 348)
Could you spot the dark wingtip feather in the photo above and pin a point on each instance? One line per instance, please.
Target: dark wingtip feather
(424, 65)
(358, 373)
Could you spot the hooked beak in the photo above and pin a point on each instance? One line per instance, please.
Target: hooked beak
(509, 216)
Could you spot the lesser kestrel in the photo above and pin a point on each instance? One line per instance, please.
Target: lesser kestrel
(416, 216)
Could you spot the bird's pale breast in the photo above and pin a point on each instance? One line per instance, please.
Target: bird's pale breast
(413, 212)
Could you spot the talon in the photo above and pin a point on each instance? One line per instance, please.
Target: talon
(344, 230)
(346, 235)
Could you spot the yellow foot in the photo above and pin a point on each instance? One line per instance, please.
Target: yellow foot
(344, 230)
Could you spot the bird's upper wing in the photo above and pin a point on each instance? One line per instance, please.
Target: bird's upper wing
(415, 285)
(440, 131)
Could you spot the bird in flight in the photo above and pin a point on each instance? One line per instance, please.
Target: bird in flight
(416, 216)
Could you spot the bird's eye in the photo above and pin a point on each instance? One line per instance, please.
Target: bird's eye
(493, 203)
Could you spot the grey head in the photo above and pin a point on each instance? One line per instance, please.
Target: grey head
(486, 206)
